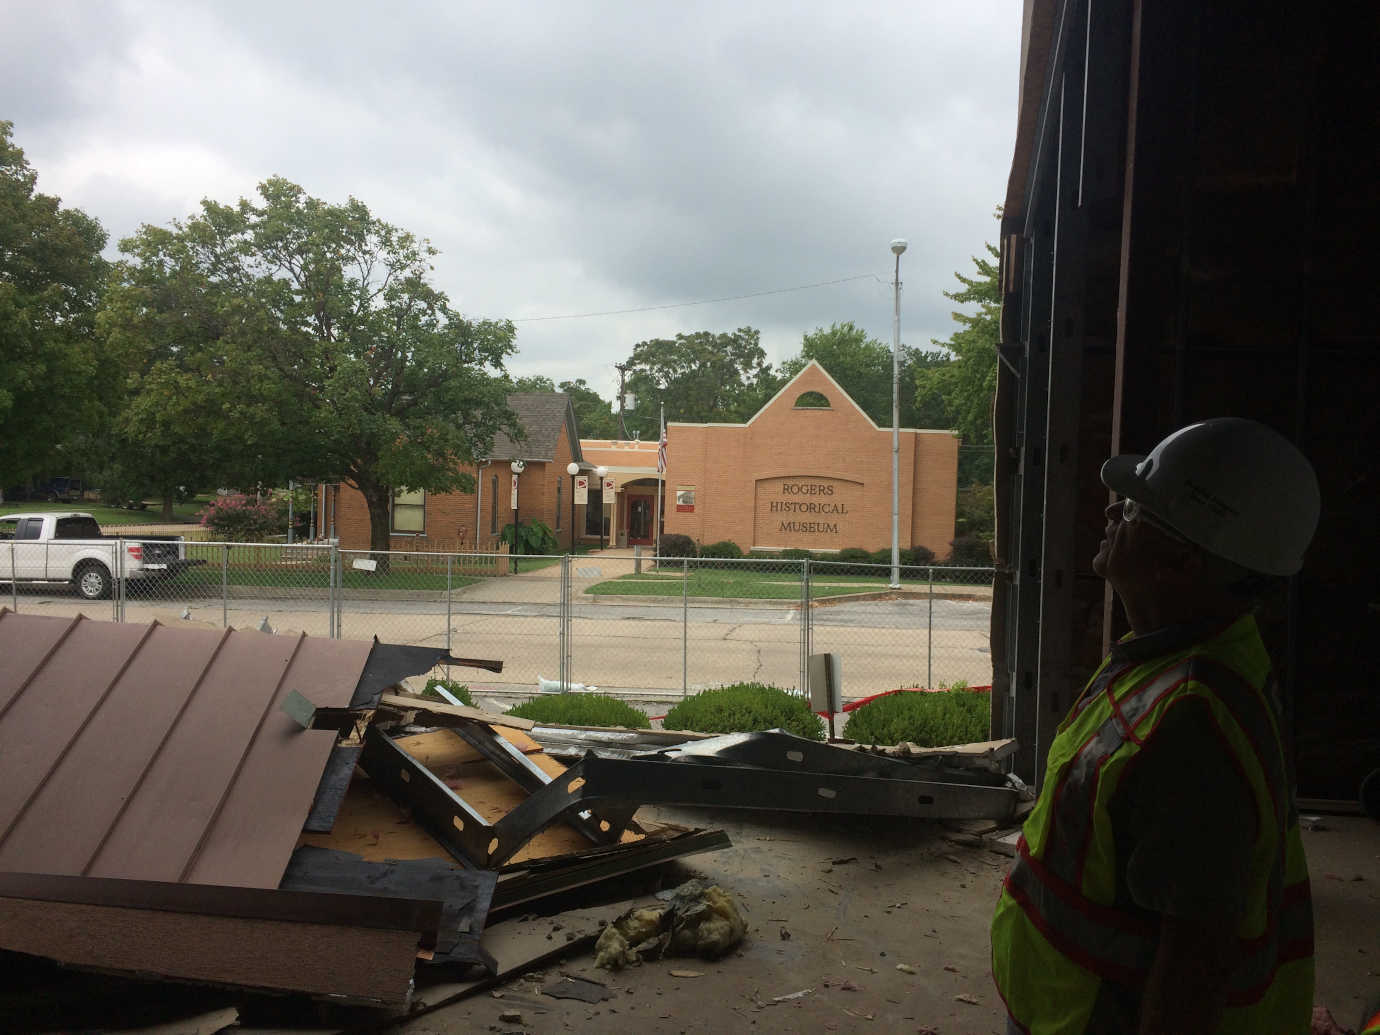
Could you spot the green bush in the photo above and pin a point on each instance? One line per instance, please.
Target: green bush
(240, 519)
(535, 538)
(954, 716)
(676, 545)
(917, 556)
(882, 556)
(970, 551)
(724, 549)
(746, 708)
(796, 555)
(455, 688)
(580, 709)
(853, 560)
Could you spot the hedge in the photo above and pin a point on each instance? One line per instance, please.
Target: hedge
(745, 708)
(673, 544)
(580, 709)
(456, 689)
(955, 716)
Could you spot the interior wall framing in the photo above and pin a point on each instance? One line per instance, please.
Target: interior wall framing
(1192, 242)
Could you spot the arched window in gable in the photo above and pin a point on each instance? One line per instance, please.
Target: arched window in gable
(812, 401)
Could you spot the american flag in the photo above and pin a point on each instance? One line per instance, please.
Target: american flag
(661, 447)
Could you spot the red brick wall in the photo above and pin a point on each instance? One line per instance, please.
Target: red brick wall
(798, 456)
(450, 517)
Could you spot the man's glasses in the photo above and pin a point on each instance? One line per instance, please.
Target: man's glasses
(1132, 511)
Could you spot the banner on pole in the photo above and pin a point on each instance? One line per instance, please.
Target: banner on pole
(582, 489)
(513, 505)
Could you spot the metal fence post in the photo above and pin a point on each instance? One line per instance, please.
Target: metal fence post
(117, 591)
(225, 586)
(449, 560)
(929, 639)
(685, 633)
(805, 627)
(564, 611)
(14, 578)
(331, 557)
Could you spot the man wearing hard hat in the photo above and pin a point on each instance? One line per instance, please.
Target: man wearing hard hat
(1160, 884)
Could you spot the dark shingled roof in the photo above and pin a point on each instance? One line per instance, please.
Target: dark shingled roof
(541, 415)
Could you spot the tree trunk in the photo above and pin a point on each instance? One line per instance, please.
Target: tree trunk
(167, 506)
(377, 500)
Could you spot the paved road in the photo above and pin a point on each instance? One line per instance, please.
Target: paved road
(635, 647)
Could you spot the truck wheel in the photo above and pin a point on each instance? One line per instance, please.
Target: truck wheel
(92, 581)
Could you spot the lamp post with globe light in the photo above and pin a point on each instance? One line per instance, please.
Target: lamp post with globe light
(897, 247)
(572, 469)
(517, 467)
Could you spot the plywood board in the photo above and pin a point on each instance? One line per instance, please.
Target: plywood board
(367, 965)
(371, 825)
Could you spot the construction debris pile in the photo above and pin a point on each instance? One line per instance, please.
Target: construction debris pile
(272, 813)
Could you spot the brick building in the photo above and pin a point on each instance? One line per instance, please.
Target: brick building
(471, 521)
(810, 470)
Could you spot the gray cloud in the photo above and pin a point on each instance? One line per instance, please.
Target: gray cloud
(565, 157)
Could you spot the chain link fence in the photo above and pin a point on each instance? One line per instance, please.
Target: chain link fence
(635, 626)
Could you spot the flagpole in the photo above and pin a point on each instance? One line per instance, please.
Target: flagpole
(660, 452)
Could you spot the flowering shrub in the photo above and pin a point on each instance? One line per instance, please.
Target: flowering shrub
(240, 519)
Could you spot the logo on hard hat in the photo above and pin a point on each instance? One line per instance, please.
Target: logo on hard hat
(1206, 498)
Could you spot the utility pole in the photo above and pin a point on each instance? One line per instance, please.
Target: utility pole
(622, 369)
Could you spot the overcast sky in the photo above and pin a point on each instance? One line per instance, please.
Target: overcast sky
(565, 157)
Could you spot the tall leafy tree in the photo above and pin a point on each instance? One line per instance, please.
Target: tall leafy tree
(862, 366)
(534, 383)
(965, 385)
(703, 376)
(52, 380)
(360, 369)
(594, 414)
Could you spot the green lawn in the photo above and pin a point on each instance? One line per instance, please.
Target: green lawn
(183, 513)
(747, 585)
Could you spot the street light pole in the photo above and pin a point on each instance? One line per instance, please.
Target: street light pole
(897, 247)
(602, 472)
(572, 469)
(517, 467)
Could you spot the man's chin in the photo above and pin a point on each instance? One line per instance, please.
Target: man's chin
(1099, 563)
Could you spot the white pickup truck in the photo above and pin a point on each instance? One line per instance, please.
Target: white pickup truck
(69, 547)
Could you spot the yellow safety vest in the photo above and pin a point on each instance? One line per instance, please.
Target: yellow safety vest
(1059, 933)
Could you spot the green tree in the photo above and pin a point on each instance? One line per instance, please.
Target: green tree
(201, 403)
(535, 383)
(360, 371)
(594, 415)
(702, 376)
(965, 385)
(52, 378)
(862, 366)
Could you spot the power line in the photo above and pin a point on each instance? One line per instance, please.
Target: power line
(703, 301)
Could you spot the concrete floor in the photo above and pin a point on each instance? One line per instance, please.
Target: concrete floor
(834, 904)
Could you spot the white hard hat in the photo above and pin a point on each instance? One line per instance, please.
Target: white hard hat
(1234, 487)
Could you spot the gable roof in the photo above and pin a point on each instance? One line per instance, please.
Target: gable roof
(813, 365)
(541, 415)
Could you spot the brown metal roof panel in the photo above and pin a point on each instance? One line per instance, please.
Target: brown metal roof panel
(252, 838)
(73, 810)
(53, 707)
(25, 642)
(157, 835)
